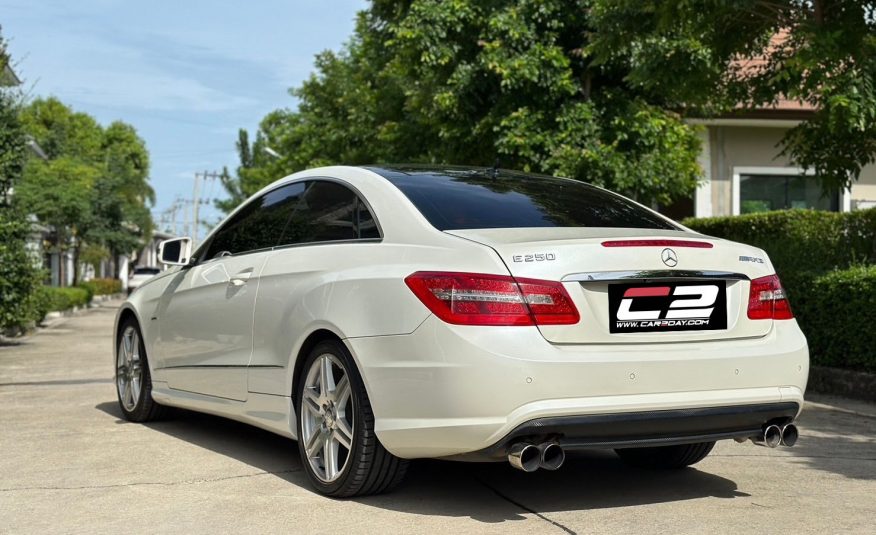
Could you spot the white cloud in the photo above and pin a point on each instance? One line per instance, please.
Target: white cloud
(149, 90)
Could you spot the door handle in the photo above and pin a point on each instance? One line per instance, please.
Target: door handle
(241, 278)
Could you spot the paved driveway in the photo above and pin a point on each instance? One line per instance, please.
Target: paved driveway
(68, 463)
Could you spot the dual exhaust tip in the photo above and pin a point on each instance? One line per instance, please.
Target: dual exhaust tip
(774, 435)
(531, 457)
(551, 456)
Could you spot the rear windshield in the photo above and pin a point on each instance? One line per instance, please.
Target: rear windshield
(146, 271)
(458, 200)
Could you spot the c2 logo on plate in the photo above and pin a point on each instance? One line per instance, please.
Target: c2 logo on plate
(672, 306)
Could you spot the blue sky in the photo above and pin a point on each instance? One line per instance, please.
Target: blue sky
(187, 74)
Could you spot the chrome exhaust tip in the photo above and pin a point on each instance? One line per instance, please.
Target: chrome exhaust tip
(552, 456)
(789, 435)
(771, 437)
(524, 457)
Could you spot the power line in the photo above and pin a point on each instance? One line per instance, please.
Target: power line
(196, 201)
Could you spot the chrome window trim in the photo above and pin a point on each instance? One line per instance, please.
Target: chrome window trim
(615, 276)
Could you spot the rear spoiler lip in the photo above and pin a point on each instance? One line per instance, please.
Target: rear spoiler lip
(647, 275)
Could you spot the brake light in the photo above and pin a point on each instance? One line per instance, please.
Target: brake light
(480, 299)
(658, 243)
(767, 300)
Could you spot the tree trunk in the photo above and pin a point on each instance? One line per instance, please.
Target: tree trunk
(76, 268)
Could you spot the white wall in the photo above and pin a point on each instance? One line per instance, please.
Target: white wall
(733, 148)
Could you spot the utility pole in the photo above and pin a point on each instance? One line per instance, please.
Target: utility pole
(196, 201)
(174, 210)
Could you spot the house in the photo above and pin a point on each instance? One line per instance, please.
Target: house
(8, 78)
(745, 172)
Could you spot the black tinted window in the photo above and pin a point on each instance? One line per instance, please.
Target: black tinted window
(328, 211)
(466, 199)
(259, 225)
(365, 221)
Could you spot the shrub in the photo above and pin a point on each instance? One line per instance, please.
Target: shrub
(801, 242)
(51, 299)
(42, 303)
(89, 290)
(19, 278)
(821, 258)
(837, 313)
(103, 286)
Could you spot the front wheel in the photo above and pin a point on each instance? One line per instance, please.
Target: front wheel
(133, 380)
(339, 449)
(665, 457)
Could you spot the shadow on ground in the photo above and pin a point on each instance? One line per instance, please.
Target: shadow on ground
(487, 492)
(258, 448)
(837, 442)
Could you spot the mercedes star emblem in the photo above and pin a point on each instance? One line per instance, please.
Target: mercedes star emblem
(669, 257)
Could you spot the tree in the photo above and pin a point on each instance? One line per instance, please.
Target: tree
(470, 82)
(121, 193)
(12, 146)
(59, 193)
(717, 57)
(93, 187)
(19, 277)
(232, 185)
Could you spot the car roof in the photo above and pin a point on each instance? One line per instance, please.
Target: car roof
(394, 172)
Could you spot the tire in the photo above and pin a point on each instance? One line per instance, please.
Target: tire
(666, 457)
(367, 467)
(139, 406)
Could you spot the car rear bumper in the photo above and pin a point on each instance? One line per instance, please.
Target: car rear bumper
(448, 390)
(646, 428)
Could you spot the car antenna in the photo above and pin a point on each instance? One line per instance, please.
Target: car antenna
(494, 172)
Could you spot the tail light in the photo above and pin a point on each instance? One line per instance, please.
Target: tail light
(658, 243)
(767, 300)
(479, 299)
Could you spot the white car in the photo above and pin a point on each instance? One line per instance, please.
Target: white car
(382, 314)
(140, 275)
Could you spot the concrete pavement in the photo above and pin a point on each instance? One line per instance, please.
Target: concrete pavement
(69, 464)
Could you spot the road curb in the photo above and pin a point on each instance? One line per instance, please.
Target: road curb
(844, 383)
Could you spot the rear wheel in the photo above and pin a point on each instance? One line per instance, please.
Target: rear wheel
(339, 449)
(133, 380)
(666, 457)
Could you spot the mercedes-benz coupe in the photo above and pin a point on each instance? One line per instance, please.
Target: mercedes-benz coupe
(382, 314)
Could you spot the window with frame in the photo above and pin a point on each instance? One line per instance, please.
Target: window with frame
(328, 211)
(303, 212)
(762, 193)
(258, 225)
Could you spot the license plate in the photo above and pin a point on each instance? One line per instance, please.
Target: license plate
(667, 306)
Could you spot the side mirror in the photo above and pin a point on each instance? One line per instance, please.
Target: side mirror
(175, 252)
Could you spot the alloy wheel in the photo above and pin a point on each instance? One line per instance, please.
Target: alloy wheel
(129, 369)
(327, 423)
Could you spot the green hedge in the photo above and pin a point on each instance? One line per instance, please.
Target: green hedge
(838, 315)
(801, 242)
(103, 286)
(825, 261)
(19, 278)
(51, 299)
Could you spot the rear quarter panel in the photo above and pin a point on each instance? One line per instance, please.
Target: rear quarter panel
(350, 289)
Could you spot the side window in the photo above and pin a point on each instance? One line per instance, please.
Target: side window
(328, 211)
(365, 222)
(259, 224)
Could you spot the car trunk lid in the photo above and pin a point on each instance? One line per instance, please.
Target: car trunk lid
(593, 263)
